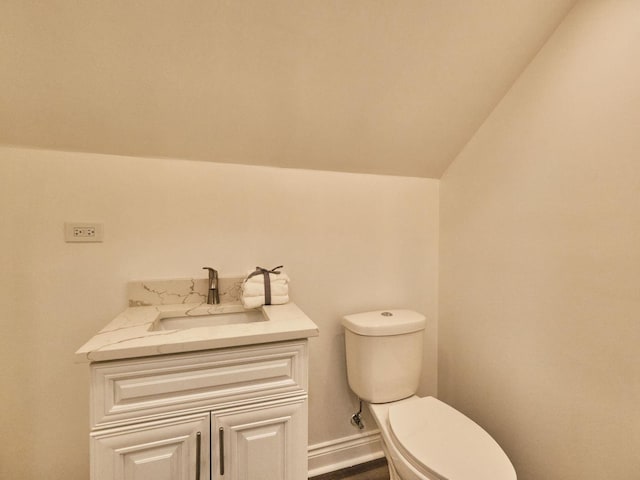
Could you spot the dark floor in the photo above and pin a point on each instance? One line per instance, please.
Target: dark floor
(375, 470)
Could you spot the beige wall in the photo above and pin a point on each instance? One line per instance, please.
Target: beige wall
(539, 331)
(359, 85)
(350, 242)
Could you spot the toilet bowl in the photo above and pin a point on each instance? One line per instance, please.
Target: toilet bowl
(426, 439)
(423, 438)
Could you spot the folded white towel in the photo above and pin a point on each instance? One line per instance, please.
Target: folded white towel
(258, 301)
(281, 278)
(254, 291)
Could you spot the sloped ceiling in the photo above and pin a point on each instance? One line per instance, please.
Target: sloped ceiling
(390, 87)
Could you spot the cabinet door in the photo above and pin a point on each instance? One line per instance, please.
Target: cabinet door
(175, 449)
(267, 441)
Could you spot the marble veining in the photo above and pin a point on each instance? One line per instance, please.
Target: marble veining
(131, 333)
(181, 291)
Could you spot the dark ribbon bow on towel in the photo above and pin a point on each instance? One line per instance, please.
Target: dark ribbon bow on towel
(267, 281)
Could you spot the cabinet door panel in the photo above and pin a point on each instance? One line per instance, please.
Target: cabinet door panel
(263, 442)
(166, 450)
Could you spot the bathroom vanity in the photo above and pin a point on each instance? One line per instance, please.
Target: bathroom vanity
(189, 398)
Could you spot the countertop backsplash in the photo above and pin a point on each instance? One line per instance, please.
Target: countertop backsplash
(184, 290)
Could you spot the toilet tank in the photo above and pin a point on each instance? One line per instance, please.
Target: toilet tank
(384, 353)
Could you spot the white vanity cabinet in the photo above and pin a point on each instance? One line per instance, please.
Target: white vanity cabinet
(235, 413)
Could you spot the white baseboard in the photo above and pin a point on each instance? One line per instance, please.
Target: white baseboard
(344, 452)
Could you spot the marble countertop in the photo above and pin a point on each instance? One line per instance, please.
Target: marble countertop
(131, 334)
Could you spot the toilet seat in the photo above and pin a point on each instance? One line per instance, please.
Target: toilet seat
(442, 443)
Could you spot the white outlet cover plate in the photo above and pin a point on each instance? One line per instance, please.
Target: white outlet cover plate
(71, 230)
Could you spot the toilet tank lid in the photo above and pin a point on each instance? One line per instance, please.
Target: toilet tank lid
(384, 322)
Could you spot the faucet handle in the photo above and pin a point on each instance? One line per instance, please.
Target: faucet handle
(212, 271)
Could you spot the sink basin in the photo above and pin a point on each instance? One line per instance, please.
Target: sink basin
(171, 321)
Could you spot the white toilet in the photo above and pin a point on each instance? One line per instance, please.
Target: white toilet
(423, 438)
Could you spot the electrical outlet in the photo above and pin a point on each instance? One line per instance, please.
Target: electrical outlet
(83, 232)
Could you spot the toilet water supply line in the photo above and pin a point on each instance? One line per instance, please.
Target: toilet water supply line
(356, 420)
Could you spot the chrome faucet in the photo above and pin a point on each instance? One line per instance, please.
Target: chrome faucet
(213, 298)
